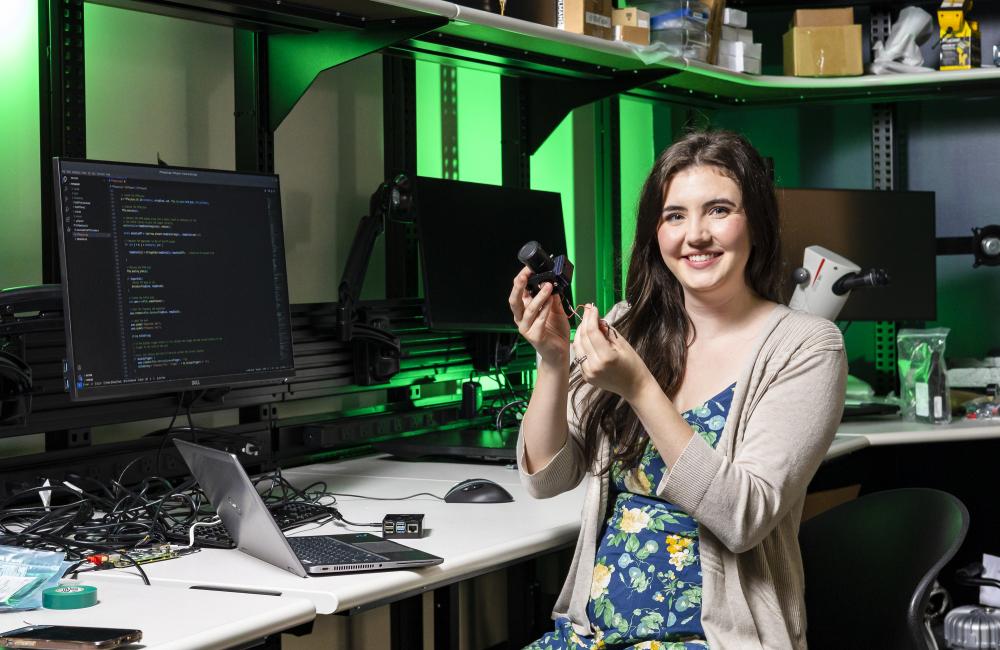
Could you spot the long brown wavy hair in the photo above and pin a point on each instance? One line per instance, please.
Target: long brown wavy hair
(657, 324)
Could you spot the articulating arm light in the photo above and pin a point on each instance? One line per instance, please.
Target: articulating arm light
(375, 348)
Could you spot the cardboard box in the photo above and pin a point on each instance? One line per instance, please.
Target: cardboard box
(630, 17)
(823, 17)
(823, 51)
(590, 17)
(543, 13)
(630, 34)
(631, 25)
(734, 17)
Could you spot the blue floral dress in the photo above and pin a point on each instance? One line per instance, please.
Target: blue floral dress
(646, 590)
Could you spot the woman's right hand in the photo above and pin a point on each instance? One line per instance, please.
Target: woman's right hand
(540, 319)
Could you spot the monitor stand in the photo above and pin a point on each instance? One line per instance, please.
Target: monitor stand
(490, 351)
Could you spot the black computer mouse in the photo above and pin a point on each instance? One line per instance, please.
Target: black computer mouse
(477, 490)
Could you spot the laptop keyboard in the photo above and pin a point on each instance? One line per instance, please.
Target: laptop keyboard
(322, 550)
(286, 515)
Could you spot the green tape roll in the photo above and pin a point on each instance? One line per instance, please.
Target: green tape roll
(69, 597)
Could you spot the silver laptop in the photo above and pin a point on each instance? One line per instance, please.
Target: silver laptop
(255, 532)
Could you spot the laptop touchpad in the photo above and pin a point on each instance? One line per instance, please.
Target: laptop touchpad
(382, 547)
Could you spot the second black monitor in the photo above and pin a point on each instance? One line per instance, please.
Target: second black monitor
(469, 236)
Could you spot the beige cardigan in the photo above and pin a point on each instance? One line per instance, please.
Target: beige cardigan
(746, 495)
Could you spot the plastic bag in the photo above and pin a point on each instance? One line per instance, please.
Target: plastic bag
(25, 573)
(901, 51)
(923, 377)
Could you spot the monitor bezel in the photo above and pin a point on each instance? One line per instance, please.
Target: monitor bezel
(137, 389)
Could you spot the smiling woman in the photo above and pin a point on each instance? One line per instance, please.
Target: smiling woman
(704, 237)
(698, 414)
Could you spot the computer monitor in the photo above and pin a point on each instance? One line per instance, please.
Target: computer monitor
(469, 235)
(173, 278)
(892, 230)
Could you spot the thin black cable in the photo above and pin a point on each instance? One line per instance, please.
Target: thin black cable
(190, 405)
(166, 432)
(74, 527)
(339, 517)
(180, 403)
(145, 578)
(361, 496)
(501, 378)
(374, 524)
(499, 418)
(121, 517)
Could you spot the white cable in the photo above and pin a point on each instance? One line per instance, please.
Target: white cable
(211, 522)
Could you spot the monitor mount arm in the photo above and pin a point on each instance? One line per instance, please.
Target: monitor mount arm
(984, 245)
(376, 349)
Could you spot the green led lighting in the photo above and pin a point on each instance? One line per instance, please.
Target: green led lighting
(295, 60)
(549, 168)
(20, 191)
(428, 79)
(637, 156)
(757, 126)
(479, 127)
(17, 30)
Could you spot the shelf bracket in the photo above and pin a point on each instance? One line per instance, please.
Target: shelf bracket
(550, 100)
(295, 60)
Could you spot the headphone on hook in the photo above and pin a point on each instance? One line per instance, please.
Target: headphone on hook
(15, 389)
(44, 301)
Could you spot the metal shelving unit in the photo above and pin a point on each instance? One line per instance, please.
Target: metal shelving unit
(280, 46)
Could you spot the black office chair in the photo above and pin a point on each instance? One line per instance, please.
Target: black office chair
(870, 565)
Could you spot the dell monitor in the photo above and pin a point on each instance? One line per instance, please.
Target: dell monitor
(173, 278)
(469, 236)
(891, 230)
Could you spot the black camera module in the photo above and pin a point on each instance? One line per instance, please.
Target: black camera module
(547, 268)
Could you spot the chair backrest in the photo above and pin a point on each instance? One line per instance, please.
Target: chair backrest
(870, 564)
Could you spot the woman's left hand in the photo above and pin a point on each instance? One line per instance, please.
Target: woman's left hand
(608, 361)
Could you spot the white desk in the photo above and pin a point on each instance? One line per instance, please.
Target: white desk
(898, 432)
(472, 538)
(845, 444)
(171, 619)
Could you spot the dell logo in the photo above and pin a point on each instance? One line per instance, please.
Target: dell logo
(196, 382)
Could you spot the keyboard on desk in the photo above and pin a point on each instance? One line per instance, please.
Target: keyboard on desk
(322, 550)
(287, 515)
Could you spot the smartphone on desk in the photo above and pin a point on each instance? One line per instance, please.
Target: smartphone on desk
(68, 637)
